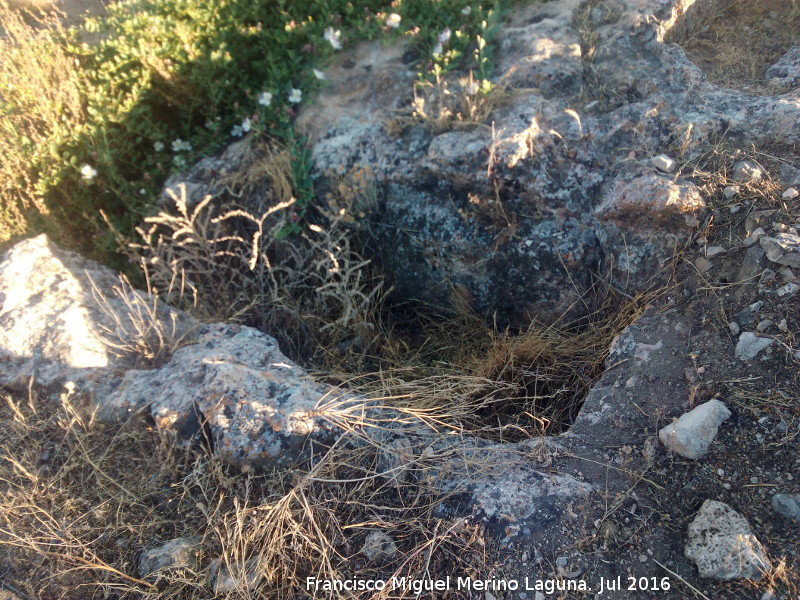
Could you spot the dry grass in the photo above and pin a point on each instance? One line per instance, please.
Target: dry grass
(43, 83)
(79, 501)
(735, 41)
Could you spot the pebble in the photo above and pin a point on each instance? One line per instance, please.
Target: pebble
(752, 239)
(703, 265)
(642, 558)
(787, 505)
(713, 251)
(750, 345)
(721, 472)
(730, 192)
(692, 434)
(734, 327)
(747, 170)
(787, 275)
(783, 327)
(790, 194)
(764, 325)
(663, 163)
(789, 289)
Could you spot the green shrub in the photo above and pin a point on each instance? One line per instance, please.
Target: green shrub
(97, 117)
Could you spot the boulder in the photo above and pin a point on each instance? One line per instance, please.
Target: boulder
(723, 546)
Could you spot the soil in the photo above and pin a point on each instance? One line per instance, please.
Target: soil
(734, 42)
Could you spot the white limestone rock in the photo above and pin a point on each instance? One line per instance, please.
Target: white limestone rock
(691, 435)
(722, 545)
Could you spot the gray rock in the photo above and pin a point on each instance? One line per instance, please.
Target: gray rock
(379, 547)
(754, 237)
(692, 434)
(790, 194)
(260, 407)
(703, 265)
(788, 290)
(713, 251)
(722, 545)
(750, 345)
(664, 163)
(783, 248)
(787, 505)
(64, 318)
(174, 554)
(785, 72)
(730, 191)
(747, 171)
(236, 578)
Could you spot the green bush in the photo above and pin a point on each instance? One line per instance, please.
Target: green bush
(155, 84)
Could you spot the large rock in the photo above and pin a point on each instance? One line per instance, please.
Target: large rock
(783, 249)
(558, 188)
(64, 318)
(723, 546)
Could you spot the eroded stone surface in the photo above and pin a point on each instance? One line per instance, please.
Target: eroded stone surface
(723, 546)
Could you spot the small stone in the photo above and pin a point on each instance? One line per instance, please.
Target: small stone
(750, 345)
(713, 251)
(238, 578)
(691, 435)
(783, 327)
(726, 485)
(783, 248)
(664, 163)
(754, 237)
(754, 480)
(790, 194)
(489, 596)
(379, 547)
(788, 290)
(764, 325)
(787, 505)
(734, 327)
(722, 545)
(174, 554)
(768, 595)
(747, 170)
(721, 472)
(642, 558)
(787, 275)
(703, 265)
(734, 208)
(730, 192)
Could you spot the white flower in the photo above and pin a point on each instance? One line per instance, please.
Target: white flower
(319, 74)
(158, 146)
(236, 131)
(179, 144)
(472, 88)
(393, 20)
(466, 10)
(444, 37)
(295, 96)
(437, 50)
(334, 37)
(265, 98)
(179, 162)
(142, 191)
(246, 125)
(88, 172)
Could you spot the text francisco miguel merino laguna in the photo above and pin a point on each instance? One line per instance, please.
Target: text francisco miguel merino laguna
(419, 586)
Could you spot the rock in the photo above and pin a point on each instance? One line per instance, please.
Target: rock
(64, 318)
(785, 72)
(651, 199)
(174, 554)
(787, 505)
(722, 545)
(713, 251)
(260, 407)
(787, 275)
(783, 327)
(379, 547)
(750, 345)
(734, 327)
(754, 237)
(237, 579)
(788, 290)
(663, 163)
(691, 435)
(703, 265)
(783, 248)
(730, 191)
(395, 458)
(790, 194)
(764, 325)
(747, 171)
